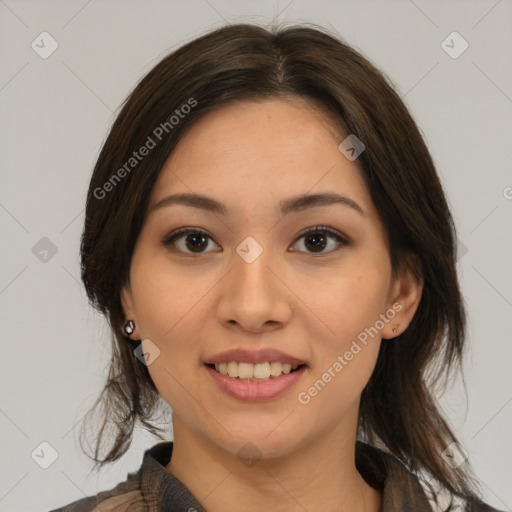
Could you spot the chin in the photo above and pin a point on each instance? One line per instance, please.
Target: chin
(258, 444)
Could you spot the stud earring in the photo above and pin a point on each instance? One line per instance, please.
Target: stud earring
(395, 329)
(128, 327)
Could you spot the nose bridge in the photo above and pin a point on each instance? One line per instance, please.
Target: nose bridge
(251, 261)
(252, 296)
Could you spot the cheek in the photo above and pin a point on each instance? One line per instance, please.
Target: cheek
(168, 309)
(172, 321)
(349, 305)
(165, 297)
(346, 356)
(353, 298)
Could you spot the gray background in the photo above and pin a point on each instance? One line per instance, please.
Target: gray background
(54, 116)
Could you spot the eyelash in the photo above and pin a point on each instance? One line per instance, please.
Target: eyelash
(171, 238)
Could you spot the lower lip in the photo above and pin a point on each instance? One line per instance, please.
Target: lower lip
(255, 391)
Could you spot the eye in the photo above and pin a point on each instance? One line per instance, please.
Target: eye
(317, 238)
(195, 239)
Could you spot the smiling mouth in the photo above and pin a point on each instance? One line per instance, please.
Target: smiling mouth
(260, 372)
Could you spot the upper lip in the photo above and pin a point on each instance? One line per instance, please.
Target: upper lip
(241, 355)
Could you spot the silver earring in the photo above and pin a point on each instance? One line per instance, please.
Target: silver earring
(395, 329)
(128, 327)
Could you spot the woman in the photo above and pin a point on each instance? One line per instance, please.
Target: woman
(267, 235)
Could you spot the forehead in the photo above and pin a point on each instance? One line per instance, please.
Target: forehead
(265, 149)
(264, 126)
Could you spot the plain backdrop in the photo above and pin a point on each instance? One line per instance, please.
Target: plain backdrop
(55, 113)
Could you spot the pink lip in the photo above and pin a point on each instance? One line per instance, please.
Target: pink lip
(255, 391)
(254, 356)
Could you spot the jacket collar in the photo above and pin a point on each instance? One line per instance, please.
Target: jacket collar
(401, 489)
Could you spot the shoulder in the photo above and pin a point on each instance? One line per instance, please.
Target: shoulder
(124, 497)
(405, 490)
(442, 501)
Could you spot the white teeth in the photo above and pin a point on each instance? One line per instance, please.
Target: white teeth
(262, 371)
(259, 371)
(275, 368)
(233, 369)
(245, 370)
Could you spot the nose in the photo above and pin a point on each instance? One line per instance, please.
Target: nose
(254, 295)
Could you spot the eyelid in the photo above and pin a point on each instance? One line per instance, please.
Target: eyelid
(325, 229)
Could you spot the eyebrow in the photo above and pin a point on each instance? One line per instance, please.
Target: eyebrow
(287, 206)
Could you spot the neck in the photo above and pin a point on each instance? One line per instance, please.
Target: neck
(320, 474)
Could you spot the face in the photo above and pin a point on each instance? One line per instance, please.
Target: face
(247, 276)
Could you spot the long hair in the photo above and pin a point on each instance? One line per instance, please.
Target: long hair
(398, 410)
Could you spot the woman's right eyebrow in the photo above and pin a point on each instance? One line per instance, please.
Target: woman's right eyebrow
(286, 206)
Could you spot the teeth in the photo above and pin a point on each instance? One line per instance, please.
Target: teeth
(245, 371)
(275, 368)
(262, 371)
(259, 371)
(232, 369)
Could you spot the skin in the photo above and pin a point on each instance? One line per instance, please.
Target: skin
(250, 156)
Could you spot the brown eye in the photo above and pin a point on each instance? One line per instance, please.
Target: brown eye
(188, 240)
(316, 239)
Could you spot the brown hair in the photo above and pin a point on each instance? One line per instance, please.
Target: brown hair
(247, 62)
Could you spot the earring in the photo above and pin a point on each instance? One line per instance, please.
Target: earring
(128, 327)
(395, 329)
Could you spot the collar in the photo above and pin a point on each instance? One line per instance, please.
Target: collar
(401, 490)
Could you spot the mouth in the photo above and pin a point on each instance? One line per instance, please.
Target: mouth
(256, 382)
(259, 372)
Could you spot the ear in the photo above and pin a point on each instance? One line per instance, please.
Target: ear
(128, 309)
(404, 298)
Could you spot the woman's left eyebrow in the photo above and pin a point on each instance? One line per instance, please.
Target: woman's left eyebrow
(286, 206)
(303, 202)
